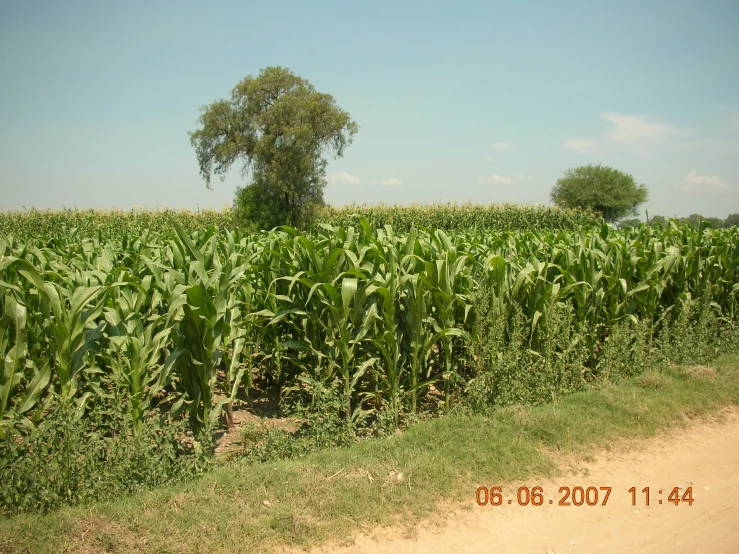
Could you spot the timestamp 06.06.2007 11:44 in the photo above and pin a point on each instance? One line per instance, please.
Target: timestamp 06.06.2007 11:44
(581, 496)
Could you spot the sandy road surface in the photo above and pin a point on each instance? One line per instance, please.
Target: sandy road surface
(704, 457)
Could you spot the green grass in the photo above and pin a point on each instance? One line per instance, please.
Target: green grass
(329, 494)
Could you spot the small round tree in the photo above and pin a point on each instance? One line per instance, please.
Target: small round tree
(601, 189)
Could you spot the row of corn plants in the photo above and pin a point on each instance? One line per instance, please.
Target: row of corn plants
(452, 217)
(117, 224)
(106, 224)
(188, 320)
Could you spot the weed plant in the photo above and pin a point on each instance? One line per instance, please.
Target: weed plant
(68, 459)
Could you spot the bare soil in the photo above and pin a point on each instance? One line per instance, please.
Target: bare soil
(260, 411)
(704, 457)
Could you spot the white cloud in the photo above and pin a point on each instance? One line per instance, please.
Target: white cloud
(502, 146)
(392, 182)
(630, 129)
(344, 177)
(700, 183)
(630, 132)
(496, 179)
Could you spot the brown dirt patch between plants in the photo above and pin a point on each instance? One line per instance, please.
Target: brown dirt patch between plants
(227, 441)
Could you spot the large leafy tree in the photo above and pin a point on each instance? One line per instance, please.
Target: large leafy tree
(732, 219)
(597, 188)
(280, 129)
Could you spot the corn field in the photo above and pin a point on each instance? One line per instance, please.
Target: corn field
(459, 217)
(188, 320)
(107, 224)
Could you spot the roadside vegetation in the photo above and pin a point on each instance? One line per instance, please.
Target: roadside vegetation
(392, 481)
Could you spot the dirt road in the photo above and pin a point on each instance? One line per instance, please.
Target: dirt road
(704, 457)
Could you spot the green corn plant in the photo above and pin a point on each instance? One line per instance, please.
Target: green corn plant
(418, 330)
(233, 331)
(347, 318)
(451, 306)
(209, 334)
(138, 346)
(71, 322)
(14, 363)
(196, 364)
(389, 341)
(73, 338)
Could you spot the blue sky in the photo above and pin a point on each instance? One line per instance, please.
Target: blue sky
(456, 101)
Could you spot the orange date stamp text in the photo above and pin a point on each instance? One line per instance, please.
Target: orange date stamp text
(579, 496)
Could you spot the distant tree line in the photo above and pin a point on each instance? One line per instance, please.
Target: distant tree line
(692, 219)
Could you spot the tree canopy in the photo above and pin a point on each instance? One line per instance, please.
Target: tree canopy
(280, 128)
(601, 189)
(731, 220)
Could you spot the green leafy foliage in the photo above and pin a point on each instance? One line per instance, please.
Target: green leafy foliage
(321, 427)
(732, 220)
(187, 320)
(605, 190)
(68, 459)
(279, 127)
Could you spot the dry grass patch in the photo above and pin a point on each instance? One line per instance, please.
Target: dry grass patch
(701, 372)
(97, 535)
(653, 380)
